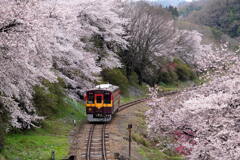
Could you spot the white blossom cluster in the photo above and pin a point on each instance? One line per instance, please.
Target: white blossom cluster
(210, 111)
(190, 47)
(52, 38)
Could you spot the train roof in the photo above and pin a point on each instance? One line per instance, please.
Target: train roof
(106, 87)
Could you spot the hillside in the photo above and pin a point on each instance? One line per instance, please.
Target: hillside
(221, 15)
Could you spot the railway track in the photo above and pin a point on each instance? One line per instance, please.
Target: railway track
(127, 105)
(97, 139)
(96, 143)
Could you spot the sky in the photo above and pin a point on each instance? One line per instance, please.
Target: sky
(170, 2)
(166, 3)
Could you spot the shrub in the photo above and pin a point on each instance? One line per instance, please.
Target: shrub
(116, 77)
(133, 78)
(168, 77)
(177, 71)
(184, 71)
(48, 98)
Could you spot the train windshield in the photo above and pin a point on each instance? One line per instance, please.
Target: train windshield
(107, 98)
(90, 98)
(99, 99)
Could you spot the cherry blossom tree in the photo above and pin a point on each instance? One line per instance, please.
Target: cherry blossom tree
(204, 120)
(50, 39)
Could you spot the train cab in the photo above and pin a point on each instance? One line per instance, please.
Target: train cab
(102, 102)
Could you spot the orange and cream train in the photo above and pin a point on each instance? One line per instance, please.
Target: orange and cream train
(102, 102)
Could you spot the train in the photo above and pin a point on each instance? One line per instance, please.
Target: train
(102, 102)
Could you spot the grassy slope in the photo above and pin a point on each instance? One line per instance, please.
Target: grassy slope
(38, 144)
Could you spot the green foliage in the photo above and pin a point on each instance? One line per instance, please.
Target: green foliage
(222, 15)
(98, 41)
(156, 154)
(3, 124)
(140, 140)
(49, 99)
(217, 34)
(168, 87)
(188, 9)
(176, 71)
(184, 71)
(116, 77)
(173, 11)
(168, 77)
(133, 78)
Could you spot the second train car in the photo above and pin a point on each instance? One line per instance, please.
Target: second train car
(102, 102)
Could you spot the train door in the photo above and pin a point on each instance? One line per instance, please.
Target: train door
(99, 100)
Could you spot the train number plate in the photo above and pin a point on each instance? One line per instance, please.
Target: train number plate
(98, 116)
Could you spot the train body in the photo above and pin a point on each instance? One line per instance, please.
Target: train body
(102, 102)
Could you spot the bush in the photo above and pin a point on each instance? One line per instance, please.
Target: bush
(49, 98)
(179, 71)
(168, 77)
(184, 71)
(116, 77)
(133, 78)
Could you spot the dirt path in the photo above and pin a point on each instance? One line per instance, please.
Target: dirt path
(118, 134)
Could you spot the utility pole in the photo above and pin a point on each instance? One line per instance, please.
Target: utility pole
(53, 155)
(130, 139)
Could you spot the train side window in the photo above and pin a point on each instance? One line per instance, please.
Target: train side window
(90, 98)
(107, 98)
(99, 99)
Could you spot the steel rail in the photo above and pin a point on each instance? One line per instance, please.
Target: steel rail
(104, 152)
(89, 143)
(124, 106)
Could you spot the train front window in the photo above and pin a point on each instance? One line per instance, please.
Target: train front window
(99, 99)
(90, 98)
(107, 98)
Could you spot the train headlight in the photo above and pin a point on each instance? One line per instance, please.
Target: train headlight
(89, 109)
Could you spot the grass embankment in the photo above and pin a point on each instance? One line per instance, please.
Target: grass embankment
(38, 143)
(148, 148)
(180, 85)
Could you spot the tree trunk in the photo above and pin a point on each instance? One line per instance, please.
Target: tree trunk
(140, 78)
